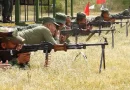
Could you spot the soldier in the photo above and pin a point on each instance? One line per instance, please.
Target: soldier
(112, 17)
(126, 12)
(11, 41)
(106, 15)
(61, 20)
(7, 10)
(82, 21)
(40, 33)
(68, 22)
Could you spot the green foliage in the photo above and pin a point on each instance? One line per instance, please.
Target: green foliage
(79, 5)
(59, 7)
(118, 5)
(126, 3)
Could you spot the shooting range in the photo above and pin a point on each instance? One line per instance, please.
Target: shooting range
(94, 54)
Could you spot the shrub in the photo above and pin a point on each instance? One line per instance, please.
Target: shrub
(58, 5)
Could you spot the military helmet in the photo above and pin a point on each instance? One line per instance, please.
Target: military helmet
(49, 20)
(81, 15)
(60, 18)
(104, 10)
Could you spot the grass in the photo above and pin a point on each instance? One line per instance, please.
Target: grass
(64, 73)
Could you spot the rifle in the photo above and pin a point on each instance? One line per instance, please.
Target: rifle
(108, 23)
(76, 32)
(127, 25)
(100, 23)
(121, 17)
(47, 47)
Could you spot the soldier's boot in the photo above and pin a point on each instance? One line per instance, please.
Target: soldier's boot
(8, 18)
(5, 20)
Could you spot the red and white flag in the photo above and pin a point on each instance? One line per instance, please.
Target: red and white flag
(92, 7)
(86, 10)
(101, 1)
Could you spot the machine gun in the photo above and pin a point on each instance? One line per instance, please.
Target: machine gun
(121, 22)
(97, 23)
(121, 17)
(77, 31)
(47, 47)
(100, 23)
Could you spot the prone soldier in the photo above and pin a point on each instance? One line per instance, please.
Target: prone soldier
(61, 20)
(10, 41)
(40, 33)
(81, 21)
(105, 14)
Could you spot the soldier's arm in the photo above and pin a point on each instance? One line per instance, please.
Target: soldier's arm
(23, 58)
(5, 65)
(48, 36)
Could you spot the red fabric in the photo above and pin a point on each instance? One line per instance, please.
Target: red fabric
(101, 1)
(86, 10)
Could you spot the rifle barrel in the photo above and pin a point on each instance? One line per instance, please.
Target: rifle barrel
(85, 31)
(122, 17)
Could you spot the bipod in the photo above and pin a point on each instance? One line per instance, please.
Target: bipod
(81, 53)
(102, 58)
(47, 58)
(102, 61)
(127, 25)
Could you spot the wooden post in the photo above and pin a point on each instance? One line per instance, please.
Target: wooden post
(71, 8)
(17, 12)
(54, 9)
(66, 7)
